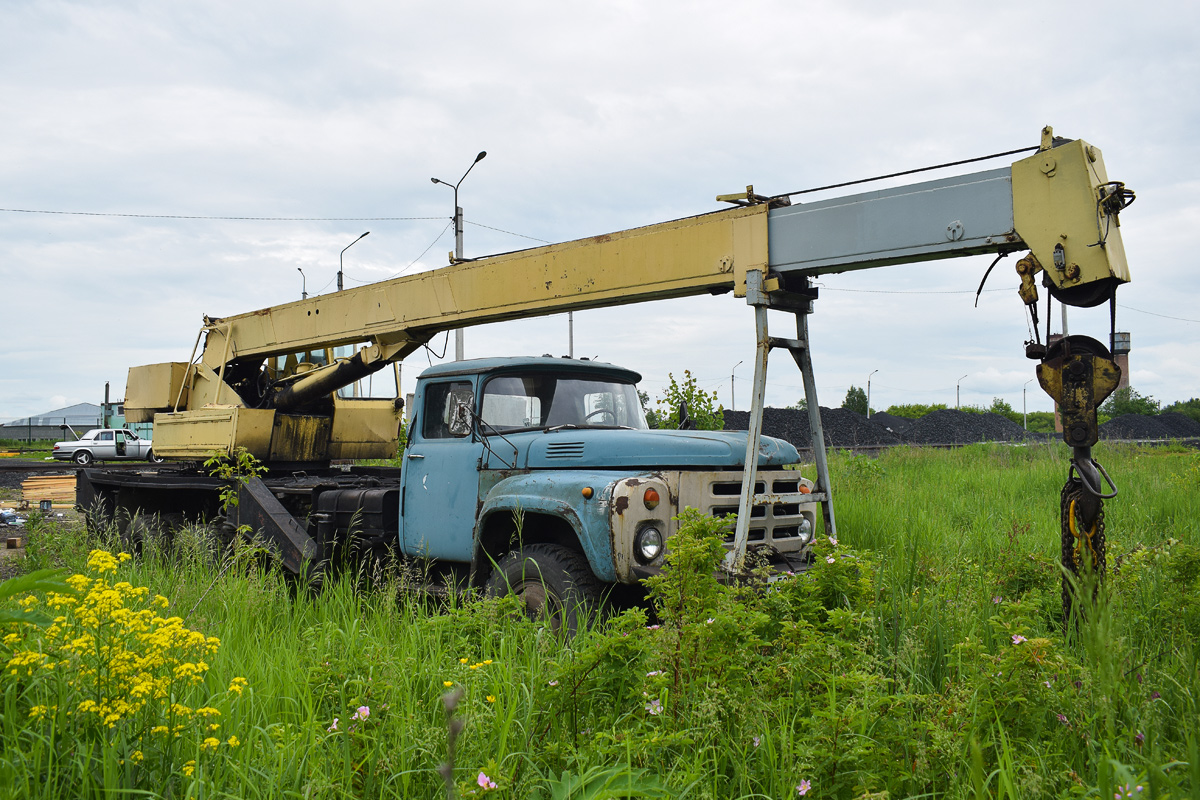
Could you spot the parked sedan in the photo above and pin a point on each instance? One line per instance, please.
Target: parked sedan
(106, 444)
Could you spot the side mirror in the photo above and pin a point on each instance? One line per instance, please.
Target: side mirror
(463, 418)
(686, 423)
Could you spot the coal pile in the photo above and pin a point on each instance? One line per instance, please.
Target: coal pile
(897, 425)
(1143, 426)
(843, 428)
(1184, 426)
(951, 426)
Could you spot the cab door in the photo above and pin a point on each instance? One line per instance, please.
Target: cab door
(441, 474)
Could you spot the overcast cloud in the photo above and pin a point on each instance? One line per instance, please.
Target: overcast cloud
(596, 118)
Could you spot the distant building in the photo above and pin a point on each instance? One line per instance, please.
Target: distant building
(59, 423)
(80, 417)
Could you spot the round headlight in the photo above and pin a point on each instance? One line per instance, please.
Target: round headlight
(648, 545)
(806, 530)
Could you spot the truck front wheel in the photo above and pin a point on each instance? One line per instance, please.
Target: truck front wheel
(555, 583)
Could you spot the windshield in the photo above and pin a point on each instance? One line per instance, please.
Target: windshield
(547, 400)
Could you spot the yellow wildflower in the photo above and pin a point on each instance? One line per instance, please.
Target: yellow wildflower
(233, 741)
(487, 661)
(101, 561)
(447, 684)
(136, 756)
(491, 698)
(462, 661)
(161, 601)
(188, 768)
(11, 638)
(210, 744)
(237, 684)
(208, 711)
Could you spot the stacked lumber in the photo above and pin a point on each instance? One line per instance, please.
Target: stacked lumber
(58, 489)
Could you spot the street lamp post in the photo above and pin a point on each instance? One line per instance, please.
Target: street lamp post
(869, 394)
(1025, 408)
(956, 386)
(303, 285)
(344, 249)
(732, 393)
(458, 238)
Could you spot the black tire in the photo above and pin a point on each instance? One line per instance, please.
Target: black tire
(82, 457)
(154, 458)
(555, 583)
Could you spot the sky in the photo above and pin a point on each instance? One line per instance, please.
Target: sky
(596, 118)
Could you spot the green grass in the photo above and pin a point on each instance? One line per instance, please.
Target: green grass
(34, 449)
(893, 669)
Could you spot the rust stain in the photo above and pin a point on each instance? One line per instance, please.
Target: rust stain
(620, 504)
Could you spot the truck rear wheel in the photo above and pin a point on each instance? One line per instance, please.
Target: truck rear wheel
(555, 583)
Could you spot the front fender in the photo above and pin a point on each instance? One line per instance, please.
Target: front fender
(561, 494)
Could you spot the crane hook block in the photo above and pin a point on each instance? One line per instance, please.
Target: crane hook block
(1079, 373)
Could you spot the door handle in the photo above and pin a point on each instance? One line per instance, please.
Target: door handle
(415, 455)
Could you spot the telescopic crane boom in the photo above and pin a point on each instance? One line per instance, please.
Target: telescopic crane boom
(253, 386)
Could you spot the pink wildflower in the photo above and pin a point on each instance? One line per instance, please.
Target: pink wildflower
(362, 713)
(829, 559)
(803, 787)
(485, 782)
(333, 728)
(1018, 638)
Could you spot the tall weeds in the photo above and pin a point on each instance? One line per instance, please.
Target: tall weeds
(922, 655)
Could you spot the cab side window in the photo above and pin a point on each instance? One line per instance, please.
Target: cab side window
(106, 436)
(442, 401)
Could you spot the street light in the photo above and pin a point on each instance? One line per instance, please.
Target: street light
(1024, 408)
(869, 394)
(303, 284)
(458, 240)
(732, 393)
(344, 249)
(956, 391)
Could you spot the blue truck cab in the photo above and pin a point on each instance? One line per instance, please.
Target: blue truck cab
(539, 475)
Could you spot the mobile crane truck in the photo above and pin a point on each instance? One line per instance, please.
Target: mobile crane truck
(538, 475)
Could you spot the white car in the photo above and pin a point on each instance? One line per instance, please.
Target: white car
(106, 444)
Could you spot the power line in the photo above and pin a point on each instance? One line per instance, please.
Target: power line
(423, 252)
(906, 291)
(510, 233)
(1153, 314)
(198, 216)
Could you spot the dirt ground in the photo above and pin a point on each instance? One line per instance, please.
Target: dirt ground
(10, 497)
